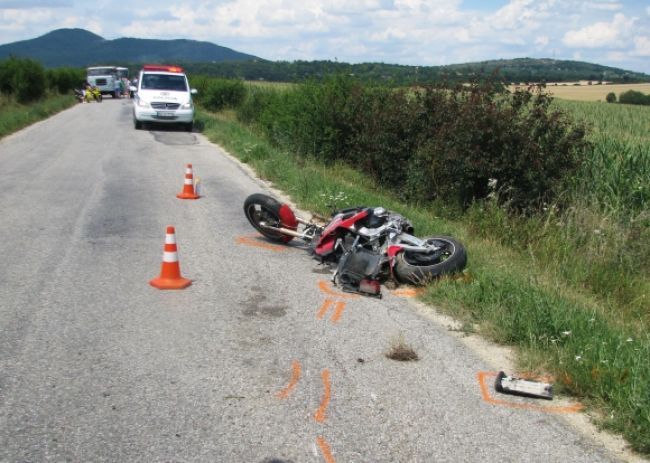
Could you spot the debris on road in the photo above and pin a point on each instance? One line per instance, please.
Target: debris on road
(523, 387)
(401, 351)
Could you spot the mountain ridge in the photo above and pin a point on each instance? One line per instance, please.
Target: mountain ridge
(81, 48)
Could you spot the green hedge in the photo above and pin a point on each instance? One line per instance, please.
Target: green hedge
(22, 78)
(634, 97)
(26, 80)
(429, 143)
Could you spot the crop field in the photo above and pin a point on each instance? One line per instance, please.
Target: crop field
(593, 92)
(268, 84)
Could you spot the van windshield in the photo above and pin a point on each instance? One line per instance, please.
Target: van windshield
(100, 71)
(174, 83)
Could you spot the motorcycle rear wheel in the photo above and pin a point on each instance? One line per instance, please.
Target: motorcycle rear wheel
(261, 208)
(419, 268)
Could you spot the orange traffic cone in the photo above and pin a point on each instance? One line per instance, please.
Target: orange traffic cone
(188, 187)
(170, 272)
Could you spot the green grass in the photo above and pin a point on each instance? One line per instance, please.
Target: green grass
(627, 123)
(616, 175)
(14, 116)
(569, 290)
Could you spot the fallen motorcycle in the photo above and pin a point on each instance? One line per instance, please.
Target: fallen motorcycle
(88, 94)
(370, 245)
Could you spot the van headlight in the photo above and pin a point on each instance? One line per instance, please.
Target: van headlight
(187, 106)
(142, 104)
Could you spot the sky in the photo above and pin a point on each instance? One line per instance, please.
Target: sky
(412, 32)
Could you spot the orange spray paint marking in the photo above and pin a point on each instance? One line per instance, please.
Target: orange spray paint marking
(485, 393)
(339, 307)
(295, 376)
(326, 288)
(325, 449)
(408, 292)
(338, 311)
(324, 308)
(320, 413)
(254, 242)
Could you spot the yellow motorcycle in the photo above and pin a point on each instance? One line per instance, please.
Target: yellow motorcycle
(93, 93)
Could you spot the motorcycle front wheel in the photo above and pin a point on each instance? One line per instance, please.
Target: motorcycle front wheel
(261, 208)
(418, 268)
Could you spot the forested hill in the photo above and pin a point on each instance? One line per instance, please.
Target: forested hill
(548, 70)
(507, 71)
(81, 48)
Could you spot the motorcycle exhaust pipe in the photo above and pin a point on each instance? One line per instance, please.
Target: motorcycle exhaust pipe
(284, 231)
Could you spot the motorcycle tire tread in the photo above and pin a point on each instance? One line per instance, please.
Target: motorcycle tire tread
(270, 205)
(418, 275)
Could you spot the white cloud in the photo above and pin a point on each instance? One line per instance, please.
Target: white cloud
(608, 6)
(522, 14)
(616, 56)
(542, 40)
(29, 4)
(91, 24)
(513, 15)
(391, 33)
(18, 18)
(600, 34)
(641, 46)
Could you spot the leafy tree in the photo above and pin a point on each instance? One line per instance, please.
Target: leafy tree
(23, 78)
(63, 80)
(611, 97)
(634, 97)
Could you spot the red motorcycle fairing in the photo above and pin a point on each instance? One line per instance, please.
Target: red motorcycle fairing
(327, 240)
(392, 251)
(287, 218)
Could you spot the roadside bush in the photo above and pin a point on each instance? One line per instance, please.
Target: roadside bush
(313, 119)
(320, 119)
(200, 83)
(428, 143)
(611, 97)
(23, 78)
(219, 94)
(460, 145)
(268, 110)
(634, 97)
(64, 80)
(475, 138)
(257, 101)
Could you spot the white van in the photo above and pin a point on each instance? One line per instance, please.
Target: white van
(163, 95)
(104, 78)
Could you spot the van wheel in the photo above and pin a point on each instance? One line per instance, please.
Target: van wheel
(137, 124)
(189, 126)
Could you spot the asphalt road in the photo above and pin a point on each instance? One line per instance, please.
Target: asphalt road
(260, 360)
